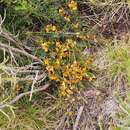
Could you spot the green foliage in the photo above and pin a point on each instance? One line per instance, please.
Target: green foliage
(24, 5)
(24, 15)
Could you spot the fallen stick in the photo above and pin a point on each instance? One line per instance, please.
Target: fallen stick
(22, 95)
(78, 117)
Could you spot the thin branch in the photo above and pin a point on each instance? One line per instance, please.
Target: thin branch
(32, 87)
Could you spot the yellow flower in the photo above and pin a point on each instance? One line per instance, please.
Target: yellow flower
(65, 90)
(46, 61)
(63, 93)
(61, 11)
(65, 73)
(70, 113)
(63, 14)
(51, 73)
(53, 77)
(71, 43)
(58, 44)
(45, 47)
(47, 28)
(72, 5)
(57, 64)
(74, 64)
(89, 61)
(53, 28)
(67, 18)
(50, 69)
(64, 52)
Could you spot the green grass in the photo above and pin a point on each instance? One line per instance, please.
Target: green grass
(119, 59)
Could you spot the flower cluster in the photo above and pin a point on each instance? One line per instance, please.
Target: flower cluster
(72, 6)
(64, 66)
(65, 63)
(73, 73)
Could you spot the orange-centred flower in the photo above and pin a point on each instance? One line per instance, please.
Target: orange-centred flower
(64, 52)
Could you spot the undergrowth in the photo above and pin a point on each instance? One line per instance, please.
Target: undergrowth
(61, 63)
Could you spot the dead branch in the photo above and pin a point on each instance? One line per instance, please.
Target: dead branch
(78, 117)
(22, 95)
(15, 50)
